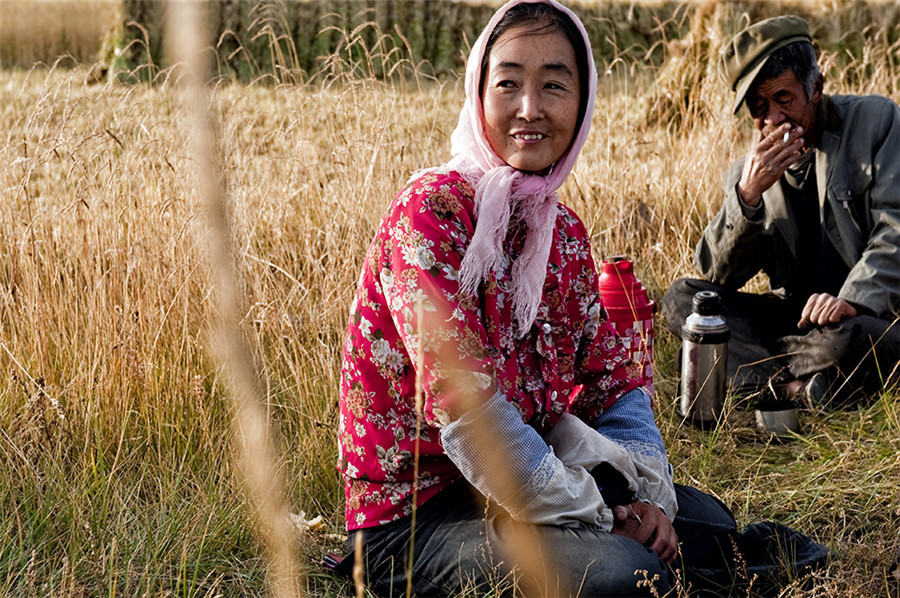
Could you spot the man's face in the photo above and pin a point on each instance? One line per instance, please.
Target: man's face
(782, 99)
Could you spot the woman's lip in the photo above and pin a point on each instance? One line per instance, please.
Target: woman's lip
(528, 136)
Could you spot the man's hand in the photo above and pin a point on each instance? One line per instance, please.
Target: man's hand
(822, 309)
(648, 525)
(768, 159)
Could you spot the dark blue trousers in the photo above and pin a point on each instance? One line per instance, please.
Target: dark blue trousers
(464, 546)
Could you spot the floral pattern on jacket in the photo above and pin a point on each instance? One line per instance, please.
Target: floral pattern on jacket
(569, 361)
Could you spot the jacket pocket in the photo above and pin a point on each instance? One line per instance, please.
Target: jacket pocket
(849, 194)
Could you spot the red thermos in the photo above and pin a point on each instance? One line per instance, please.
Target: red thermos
(630, 312)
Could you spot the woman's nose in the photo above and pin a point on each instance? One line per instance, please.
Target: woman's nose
(530, 106)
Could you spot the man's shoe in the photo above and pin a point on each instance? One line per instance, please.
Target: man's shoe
(814, 392)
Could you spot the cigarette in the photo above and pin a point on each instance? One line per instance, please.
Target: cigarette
(787, 135)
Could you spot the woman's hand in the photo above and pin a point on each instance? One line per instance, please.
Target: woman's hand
(648, 525)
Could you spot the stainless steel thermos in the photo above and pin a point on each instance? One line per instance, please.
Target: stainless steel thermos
(704, 357)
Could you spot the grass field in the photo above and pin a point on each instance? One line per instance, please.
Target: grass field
(118, 411)
(40, 31)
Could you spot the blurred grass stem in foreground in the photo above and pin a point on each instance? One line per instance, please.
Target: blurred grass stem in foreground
(252, 438)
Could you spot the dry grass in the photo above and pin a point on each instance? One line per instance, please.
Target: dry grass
(115, 419)
(42, 31)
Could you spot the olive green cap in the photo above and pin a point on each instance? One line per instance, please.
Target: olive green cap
(746, 54)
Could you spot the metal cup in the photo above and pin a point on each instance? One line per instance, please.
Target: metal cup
(777, 417)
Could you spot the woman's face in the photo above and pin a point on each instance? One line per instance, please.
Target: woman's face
(531, 98)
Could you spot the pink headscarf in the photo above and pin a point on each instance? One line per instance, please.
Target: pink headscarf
(501, 190)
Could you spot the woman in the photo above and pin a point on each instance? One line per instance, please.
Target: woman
(483, 285)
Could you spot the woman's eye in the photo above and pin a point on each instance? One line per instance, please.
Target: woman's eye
(506, 83)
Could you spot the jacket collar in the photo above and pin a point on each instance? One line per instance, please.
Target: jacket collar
(827, 116)
(828, 139)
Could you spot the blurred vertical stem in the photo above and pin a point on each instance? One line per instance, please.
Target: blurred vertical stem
(252, 441)
(420, 400)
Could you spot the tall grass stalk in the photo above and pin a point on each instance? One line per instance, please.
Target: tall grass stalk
(251, 432)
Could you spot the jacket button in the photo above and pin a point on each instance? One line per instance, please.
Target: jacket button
(546, 328)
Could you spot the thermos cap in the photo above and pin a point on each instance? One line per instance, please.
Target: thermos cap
(706, 324)
(621, 290)
(707, 303)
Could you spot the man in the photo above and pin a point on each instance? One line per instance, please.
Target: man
(815, 205)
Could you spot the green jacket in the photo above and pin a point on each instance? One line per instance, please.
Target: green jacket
(857, 161)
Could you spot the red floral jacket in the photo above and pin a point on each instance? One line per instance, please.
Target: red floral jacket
(569, 361)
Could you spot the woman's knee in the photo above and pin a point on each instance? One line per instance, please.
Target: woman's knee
(590, 562)
(695, 505)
